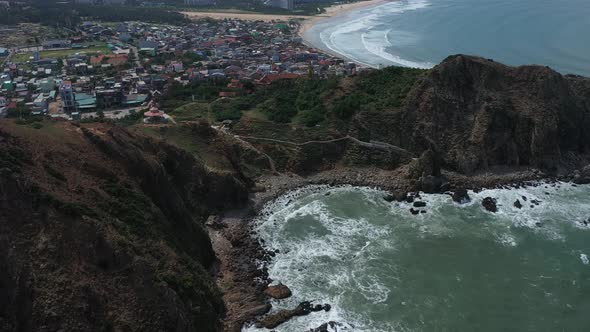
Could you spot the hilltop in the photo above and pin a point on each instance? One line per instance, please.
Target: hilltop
(104, 226)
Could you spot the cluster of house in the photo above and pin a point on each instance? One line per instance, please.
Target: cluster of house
(143, 58)
(254, 51)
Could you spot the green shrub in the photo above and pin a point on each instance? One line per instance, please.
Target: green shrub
(229, 113)
(344, 108)
(312, 117)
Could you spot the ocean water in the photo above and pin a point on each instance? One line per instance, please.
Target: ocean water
(421, 33)
(455, 268)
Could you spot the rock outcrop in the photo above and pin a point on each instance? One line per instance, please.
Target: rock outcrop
(102, 229)
(304, 308)
(278, 292)
(461, 196)
(489, 204)
(480, 113)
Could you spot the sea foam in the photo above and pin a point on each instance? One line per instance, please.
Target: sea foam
(362, 29)
(340, 254)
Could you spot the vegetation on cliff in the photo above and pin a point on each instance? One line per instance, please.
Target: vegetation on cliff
(476, 115)
(103, 229)
(304, 101)
(101, 224)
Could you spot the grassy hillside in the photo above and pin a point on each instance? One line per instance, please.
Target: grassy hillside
(300, 102)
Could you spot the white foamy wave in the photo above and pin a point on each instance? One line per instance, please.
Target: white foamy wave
(370, 287)
(546, 208)
(315, 267)
(343, 254)
(377, 42)
(338, 39)
(331, 39)
(506, 239)
(584, 259)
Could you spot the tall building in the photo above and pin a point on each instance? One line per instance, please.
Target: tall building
(68, 97)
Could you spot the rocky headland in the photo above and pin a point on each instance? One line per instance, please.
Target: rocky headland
(106, 227)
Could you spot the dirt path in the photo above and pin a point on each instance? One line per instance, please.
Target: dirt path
(372, 145)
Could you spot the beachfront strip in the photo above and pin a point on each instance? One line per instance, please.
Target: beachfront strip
(112, 69)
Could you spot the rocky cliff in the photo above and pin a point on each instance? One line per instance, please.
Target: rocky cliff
(475, 114)
(101, 230)
(478, 114)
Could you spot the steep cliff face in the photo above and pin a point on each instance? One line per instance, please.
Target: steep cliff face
(478, 113)
(102, 230)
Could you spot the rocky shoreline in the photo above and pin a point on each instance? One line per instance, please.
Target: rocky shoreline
(242, 275)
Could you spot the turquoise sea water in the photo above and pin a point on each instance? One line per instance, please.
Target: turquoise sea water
(421, 33)
(454, 268)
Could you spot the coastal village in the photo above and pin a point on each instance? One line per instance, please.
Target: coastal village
(115, 70)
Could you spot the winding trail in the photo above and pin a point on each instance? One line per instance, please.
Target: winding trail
(372, 145)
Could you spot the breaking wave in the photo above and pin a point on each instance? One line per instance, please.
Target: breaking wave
(380, 267)
(337, 39)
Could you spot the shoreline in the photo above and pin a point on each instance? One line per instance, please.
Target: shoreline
(337, 10)
(305, 21)
(246, 16)
(331, 12)
(242, 274)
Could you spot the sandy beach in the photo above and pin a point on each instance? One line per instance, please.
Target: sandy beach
(248, 16)
(307, 20)
(338, 10)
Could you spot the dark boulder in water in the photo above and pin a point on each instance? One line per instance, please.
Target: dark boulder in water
(398, 196)
(419, 204)
(273, 320)
(489, 204)
(321, 328)
(517, 204)
(278, 292)
(389, 198)
(461, 196)
(414, 212)
(304, 308)
(324, 327)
